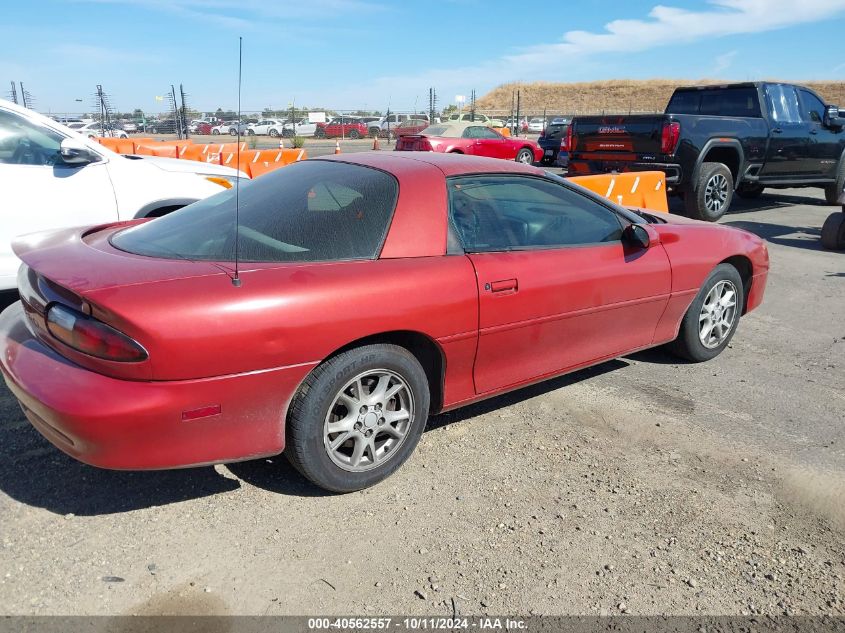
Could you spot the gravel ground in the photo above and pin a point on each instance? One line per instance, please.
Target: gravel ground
(641, 486)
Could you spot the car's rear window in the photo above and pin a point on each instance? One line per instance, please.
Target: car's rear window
(436, 130)
(736, 102)
(556, 129)
(307, 212)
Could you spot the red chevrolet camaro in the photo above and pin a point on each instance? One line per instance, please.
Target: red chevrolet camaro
(472, 139)
(373, 290)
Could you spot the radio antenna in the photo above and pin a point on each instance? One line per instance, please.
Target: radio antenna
(236, 280)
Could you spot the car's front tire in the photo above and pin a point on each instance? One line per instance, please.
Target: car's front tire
(712, 318)
(274, 132)
(358, 417)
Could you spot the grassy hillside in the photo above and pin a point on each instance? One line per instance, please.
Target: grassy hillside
(616, 96)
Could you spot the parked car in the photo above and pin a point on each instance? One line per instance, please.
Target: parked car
(410, 126)
(345, 127)
(224, 127)
(714, 141)
(469, 117)
(53, 177)
(163, 126)
(380, 126)
(539, 278)
(129, 127)
(271, 127)
(553, 142)
(536, 124)
(93, 130)
(470, 138)
(303, 128)
(203, 127)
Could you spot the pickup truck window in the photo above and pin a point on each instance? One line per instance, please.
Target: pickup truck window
(738, 102)
(783, 101)
(813, 106)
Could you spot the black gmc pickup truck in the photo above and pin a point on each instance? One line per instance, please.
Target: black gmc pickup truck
(714, 141)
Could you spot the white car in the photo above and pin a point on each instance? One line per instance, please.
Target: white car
(536, 124)
(53, 177)
(273, 127)
(303, 128)
(93, 130)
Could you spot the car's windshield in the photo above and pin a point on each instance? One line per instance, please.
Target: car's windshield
(307, 212)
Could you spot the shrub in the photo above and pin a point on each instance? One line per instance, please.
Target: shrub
(298, 141)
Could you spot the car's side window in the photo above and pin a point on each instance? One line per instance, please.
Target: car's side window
(784, 104)
(813, 106)
(486, 132)
(503, 213)
(24, 143)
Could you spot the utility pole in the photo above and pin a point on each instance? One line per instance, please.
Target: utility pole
(518, 126)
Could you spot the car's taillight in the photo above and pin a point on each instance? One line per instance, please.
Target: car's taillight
(669, 137)
(89, 336)
(568, 144)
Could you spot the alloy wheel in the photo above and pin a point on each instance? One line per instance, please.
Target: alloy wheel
(716, 193)
(718, 314)
(368, 420)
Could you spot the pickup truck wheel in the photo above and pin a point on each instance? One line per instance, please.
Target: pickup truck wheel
(711, 194)
(750, 192)
(319, 133)
(834, 191)
(357, 417)
(374, 132)
(712, 318)
(833, 232)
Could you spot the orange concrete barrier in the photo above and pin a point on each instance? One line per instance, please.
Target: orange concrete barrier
(642, 189)
(166, 150)
(193, 152)
(119, 145)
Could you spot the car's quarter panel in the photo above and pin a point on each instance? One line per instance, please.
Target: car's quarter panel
(127, 424)
(568, 307)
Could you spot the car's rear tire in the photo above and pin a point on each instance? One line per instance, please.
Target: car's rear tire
(319, 133)
(357, 417)
(525, 156)
(273, 132)
(833, 232)
(713, 316)
(374, 132)
(354, 134)
(749, 192)
(711, 193)
(833, 192)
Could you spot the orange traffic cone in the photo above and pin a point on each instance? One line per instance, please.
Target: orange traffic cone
(375, 142)
(337, 147)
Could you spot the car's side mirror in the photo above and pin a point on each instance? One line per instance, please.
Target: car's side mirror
(75, 152)
(636, 235)
(832, 118)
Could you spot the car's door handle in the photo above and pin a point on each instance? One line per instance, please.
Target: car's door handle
(814, 131)
(503, 285)
(777, 130)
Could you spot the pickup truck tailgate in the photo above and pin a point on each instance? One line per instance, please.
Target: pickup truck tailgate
(608, 135)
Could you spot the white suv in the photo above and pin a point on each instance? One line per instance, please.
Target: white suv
(52, 177)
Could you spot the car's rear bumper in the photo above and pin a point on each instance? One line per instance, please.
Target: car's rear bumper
(136, 425)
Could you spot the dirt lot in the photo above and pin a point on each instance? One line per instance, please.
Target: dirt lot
(642, 486)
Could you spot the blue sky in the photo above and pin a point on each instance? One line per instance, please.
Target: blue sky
(373, 53)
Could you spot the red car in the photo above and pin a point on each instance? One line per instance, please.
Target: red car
(472, 139)
(411, 126)
(203, 128)
(348, 128)
(373, 289)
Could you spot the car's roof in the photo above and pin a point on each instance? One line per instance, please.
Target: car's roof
(448, 164)
(454, 129)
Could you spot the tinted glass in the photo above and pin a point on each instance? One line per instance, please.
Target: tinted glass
(738, 102)
(502, 213)
(813, 106)
(783, 101)
(556, 130)
(310, 211)
(435, 130)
